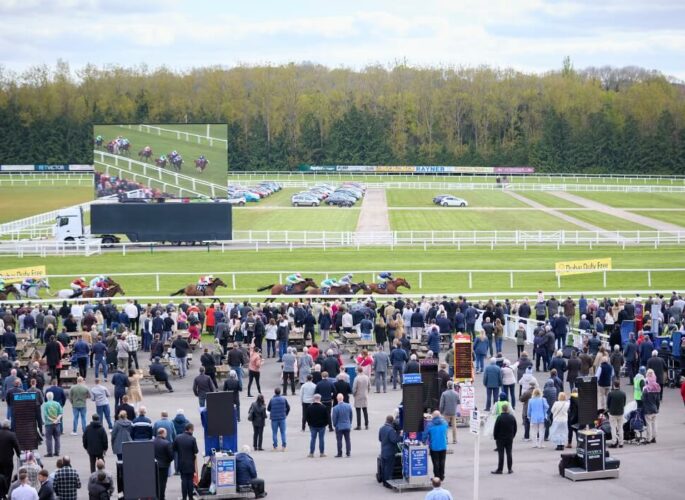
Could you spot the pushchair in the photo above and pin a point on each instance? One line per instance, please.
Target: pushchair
(634, 428)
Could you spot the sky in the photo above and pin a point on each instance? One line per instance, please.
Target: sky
(528, 35)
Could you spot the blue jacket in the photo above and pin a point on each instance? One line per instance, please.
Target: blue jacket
(437, 434)
(492, 376)
(480, 347)
(434, 341)
(81, 349)
(460, 322)
(417, 319)
(560, 326)
(278, 408)
(398, 357)
(646, 349)
(245, 469)
(341, 416)
(325, 321)
(471, 315)
(388, 437)
(537, 410)
(99, 350)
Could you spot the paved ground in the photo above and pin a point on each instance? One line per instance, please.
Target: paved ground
(618, 212)
(557, 213)
(373, 218)
(647, 471)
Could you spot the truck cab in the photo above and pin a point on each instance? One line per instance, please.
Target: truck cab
(69, 224)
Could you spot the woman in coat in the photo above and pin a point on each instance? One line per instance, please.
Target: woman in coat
(499, 335)
(135, 394)
(325, 323)
(121, 433)
(305, 363)
(558, 432)
(521, 336)
(257, 415)
(650, 404)
(380, 332)
(509, 382)
(480, 349)
(537, 413)
(365, 362)
(360, 392)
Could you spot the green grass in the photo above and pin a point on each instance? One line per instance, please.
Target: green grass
(339, 260)
(424, 198)
(301, 219)
(18, 202)
(637, 200)
(606, 221)
(217, 155)
(677, 218)
(452, 219)
(548, 200)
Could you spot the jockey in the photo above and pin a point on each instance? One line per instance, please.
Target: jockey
(147, 149)
(202, 157)
(2, 283)
(385, 276)
(205, 280)
(124, 141)
(294, 279)
(79, 284)
(98, 284)
(327, 284)
(173, 154)
(99, 139)
(346, 280)
(28, 283)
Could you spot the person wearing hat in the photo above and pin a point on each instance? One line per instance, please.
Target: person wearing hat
(524, 398)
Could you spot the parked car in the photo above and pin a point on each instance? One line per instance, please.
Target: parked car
(339, 201)
(437, 199)
(453, 201)
(248, 195)
(304, 200)
(236, 200)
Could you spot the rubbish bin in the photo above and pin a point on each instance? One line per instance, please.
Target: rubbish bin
(351, 371)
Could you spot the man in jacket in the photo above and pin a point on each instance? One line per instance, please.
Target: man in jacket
(185, 446)
(141, 427)
(9, 447)
(616, 403)
(164, 455)
(398, 358)
(437, 443)
(381, 361)
(95, 441)
(202, 385)
(631, 358)
(492, 380)
(341, 417)
(246, 473)
(236, 360)
(46, 492)
(388, 435)
(278, 409)
(100, 394)
(52, 413)
(158, 371)
(449, 407)
(504, 433)
(121, 383)
(317, 419)
(66, 482)
(326, 389)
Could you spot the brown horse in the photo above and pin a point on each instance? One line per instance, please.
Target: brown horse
(192, 290)
(110, 291)
(341, 290)
(297, 288)
(10, 290)
(390, 289)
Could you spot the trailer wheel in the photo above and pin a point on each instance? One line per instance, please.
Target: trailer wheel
(108, 241)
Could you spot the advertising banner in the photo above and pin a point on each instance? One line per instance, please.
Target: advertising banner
(514, 170)
(18, 274)
(416, 169)
(565, 268)
(46, 168)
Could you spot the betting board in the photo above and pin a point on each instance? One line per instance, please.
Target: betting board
(463, 358)
(24, 413)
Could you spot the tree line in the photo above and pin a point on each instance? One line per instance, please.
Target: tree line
(595, 120)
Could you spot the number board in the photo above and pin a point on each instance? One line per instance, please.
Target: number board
(24, 411)
(463, 358)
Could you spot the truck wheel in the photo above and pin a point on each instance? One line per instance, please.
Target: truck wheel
(108, 241)
(69, 239)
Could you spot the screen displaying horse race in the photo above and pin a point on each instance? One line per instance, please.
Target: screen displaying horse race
(160, 160)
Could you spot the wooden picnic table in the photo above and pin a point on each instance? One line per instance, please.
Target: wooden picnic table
(67, 377)
(222, 371)
(23, 336)
(364, 344)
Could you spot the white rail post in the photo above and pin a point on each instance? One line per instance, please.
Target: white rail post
(233, 280)
(420, 279)
(558, 280)
(511, 279)
(157, 281)
(649, 278)
(604, 278)
(470, 279)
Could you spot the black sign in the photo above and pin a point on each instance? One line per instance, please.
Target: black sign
(139, 469)
(24, 416)
(412, 407)
(587, 401)
(220, 416)
(591, 449)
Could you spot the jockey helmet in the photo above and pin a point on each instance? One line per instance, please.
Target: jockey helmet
(298, 275)
(82, 278)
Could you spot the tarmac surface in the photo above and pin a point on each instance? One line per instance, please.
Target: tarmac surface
(647, 471)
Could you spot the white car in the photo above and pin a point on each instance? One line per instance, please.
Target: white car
(453, 201)
(236, 200)
(300, 200)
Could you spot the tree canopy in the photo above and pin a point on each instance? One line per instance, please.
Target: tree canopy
(594, 120)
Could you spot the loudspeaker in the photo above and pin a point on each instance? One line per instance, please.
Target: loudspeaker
(220, 414)
(587, 401)
(139, 469)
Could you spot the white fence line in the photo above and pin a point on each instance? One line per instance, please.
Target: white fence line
(148, 181)
(180, 135)
(482, 186)
(163, 175)
(371, 275)
(53, 179)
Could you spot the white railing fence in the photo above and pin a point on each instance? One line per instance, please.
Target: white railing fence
(417, 278)
(161, 175)
(46, 180)
(179, 135)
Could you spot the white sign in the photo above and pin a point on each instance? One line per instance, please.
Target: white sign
(467, 396)
(475, 422)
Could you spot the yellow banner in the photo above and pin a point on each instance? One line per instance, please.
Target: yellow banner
(582, 266)
(17, 275)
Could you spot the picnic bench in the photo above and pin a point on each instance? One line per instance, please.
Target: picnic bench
(149, 379)
(67, 377)
(222, 371)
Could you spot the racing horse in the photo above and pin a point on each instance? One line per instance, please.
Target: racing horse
(125, 149)
(10, 290)
(391, 287)
(32, 292)
(201, 164)
(176, 162)
(113, 147)
(193, 290)
(340, 290)
(110, 291)
(99, 142)
(296, 289)
(145, 154)
(161, 163)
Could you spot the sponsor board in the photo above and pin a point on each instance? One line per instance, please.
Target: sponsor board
(18, 274)
(569, 267)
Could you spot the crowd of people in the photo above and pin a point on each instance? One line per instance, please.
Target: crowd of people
(107, 185)
(108, 343)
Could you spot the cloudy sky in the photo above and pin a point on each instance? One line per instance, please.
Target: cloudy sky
(530, 35)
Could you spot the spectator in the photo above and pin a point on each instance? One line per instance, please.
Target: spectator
(79, 395)
(480, 350)
(388, 435)
(278, 409)
(52, 417)
(181, 348)
(504, 433)
(185, 446)
(231, 384)
(255, 367)
(650, 404)
(246, 473)
(121, 384)
(381, 362)
(537, 413)
(289, 360)
(438, 492)
(122, 353)
(141, 427)
(100, 394)
(158, 371)
(133, 341)
(360, 391)
(398, 358)
(317, 419)
(326, 389)
(121, 433)
(46, 491)
(559, 414)
(658, 366)
(616, 403)
(437, 444)
(604, 377)
(492, 380)
(24, 491)
(95, 441)
(449, 408)
(202, 385)
(164, 455)
(67, 481)
(257, 415)
(100, 488)
(341, 417)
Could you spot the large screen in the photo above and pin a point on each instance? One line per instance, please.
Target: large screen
(160, 160)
